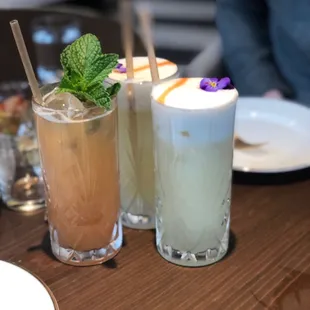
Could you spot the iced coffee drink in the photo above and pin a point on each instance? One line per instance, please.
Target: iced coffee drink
(193, 131)
(136, 140)
(77, 134)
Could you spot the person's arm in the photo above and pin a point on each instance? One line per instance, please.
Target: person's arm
(243, 25)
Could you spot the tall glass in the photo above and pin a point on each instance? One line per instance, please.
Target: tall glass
(193, 169)
(80, 170)
(136, 142)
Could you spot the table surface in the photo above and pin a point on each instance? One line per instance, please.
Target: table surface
(268, 263)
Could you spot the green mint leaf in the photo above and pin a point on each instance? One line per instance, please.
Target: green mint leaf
(105, 65)
(96, 94)
(100, 96)
(85, 59)
(81, 57)
(113, 90)
(65, 83)
(85, 69)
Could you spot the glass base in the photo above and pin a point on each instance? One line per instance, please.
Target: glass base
(190, 259)
(88, 258)
(138, 221)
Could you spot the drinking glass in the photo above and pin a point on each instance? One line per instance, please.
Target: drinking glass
(50, 35)
(79, 159)
(7, 166)
(21, 186)
(136, 146)
(193, 173)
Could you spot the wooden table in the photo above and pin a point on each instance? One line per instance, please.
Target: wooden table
(269, 261)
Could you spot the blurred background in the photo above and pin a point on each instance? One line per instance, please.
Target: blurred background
(182, 28)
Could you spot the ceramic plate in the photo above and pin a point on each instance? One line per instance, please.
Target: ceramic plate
(21, 290)
(284, 128)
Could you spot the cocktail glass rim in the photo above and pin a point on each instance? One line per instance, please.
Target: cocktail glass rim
(141, 81)
(36, 105)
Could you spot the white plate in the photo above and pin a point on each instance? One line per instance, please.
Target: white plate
(21, 290)
(283, 125)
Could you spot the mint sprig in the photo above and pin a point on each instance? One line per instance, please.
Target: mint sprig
(85, 69)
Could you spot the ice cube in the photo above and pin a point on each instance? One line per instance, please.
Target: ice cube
(66, 102)
(49, 97)
(63, 101)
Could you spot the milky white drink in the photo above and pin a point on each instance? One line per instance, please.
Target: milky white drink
(193, 132)
(136, 140)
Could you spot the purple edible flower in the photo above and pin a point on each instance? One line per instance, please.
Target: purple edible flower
(214, 84)
(120, 68)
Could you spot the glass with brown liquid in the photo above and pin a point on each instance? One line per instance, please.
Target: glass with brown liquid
(78, 150)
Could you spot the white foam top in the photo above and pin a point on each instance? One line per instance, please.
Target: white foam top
(190, 96)
(142, 71)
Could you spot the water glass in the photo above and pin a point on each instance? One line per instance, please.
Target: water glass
(50, 35)
(21, 188)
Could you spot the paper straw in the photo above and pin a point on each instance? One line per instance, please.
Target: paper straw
(26, 61)
(127, 35)
(145, 22)
(125, 7)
